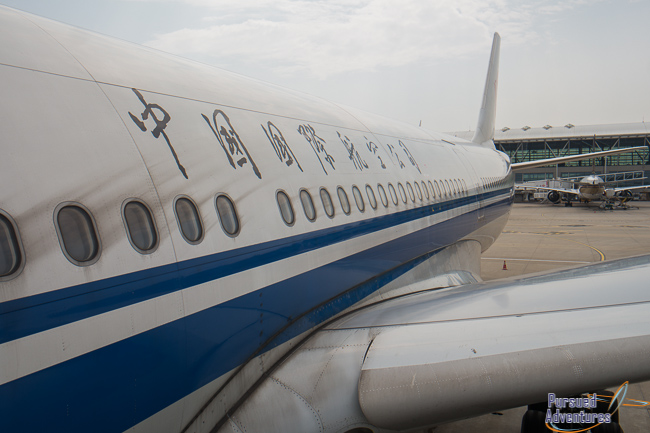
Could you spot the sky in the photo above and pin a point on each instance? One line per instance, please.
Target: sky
(583, 62)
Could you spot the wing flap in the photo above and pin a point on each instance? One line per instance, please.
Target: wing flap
(407, 397)
(461, 352)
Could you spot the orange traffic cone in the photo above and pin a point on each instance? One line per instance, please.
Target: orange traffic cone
(505, 268)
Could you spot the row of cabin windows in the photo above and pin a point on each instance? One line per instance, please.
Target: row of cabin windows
(493, 182)
(446, 188)
(81, 244)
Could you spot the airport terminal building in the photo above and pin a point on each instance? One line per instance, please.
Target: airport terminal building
(530, 144)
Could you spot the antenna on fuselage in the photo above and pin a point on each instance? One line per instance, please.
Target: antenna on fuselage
(487, 116)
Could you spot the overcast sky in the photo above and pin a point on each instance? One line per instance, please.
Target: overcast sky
(562, 61)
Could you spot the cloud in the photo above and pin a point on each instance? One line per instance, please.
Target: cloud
(328, 37)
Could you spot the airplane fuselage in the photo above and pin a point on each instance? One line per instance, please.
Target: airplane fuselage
(178, 227)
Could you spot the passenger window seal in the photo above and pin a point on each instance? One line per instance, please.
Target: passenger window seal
(402, 192)
(237, 219)
(125, 203)
(356, 193)
(382, 194)
(18, 244)
(198, 214)
(59, 234)
(311, 200)
(329, 196)
(372, 199)
(293, 211)
(347, 200)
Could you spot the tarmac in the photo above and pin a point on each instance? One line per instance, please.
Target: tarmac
(543, 237)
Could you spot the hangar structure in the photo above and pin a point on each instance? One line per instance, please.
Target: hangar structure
(530, 144)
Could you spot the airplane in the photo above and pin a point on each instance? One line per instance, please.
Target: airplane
(183, 249)
(592, 188)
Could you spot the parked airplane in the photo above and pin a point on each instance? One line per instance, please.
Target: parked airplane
(591, 188)
(186, 250)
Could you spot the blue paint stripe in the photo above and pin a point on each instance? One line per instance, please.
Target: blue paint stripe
(38, 313)
(118, 386)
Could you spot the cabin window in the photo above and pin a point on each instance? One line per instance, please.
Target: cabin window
(343, 198)
(433, 191)
(393, 194)
(77, 235)
(402, 193)
(227, 215)
(382, 195)
(327, 202)
(308, 205)
(371, 197)
(358, 198)
(409, 188)
(417, 190)
(189, 220)
(440, 192)
(465, 186)
(11, 257)
(425, 191)
(140, 227)
(286, 208)
(453, 188)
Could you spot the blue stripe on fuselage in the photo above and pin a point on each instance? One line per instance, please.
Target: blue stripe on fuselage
(118, 386)
(33, 314)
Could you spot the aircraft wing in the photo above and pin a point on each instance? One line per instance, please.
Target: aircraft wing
(630, 188)
(552, 161)
(546, 188)
(454, 353)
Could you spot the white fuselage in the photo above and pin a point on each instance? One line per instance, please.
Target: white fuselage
(96, 124)
(592, 187)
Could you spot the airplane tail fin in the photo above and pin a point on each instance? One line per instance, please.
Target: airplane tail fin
(487, 116)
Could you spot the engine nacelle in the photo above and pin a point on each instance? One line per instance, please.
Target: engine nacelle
(625, 195)
(553, 197)
(610, 193)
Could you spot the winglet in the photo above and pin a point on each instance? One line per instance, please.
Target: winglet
(487, 116)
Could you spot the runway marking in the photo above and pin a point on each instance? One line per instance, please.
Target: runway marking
(532, 260)
(602, 255)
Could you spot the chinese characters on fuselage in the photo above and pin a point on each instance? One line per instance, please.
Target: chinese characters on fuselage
(353, 154)
(230, 142)
(282, 149)
(318, 144)
(373, 148)
(161, 124)
(409, 156)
